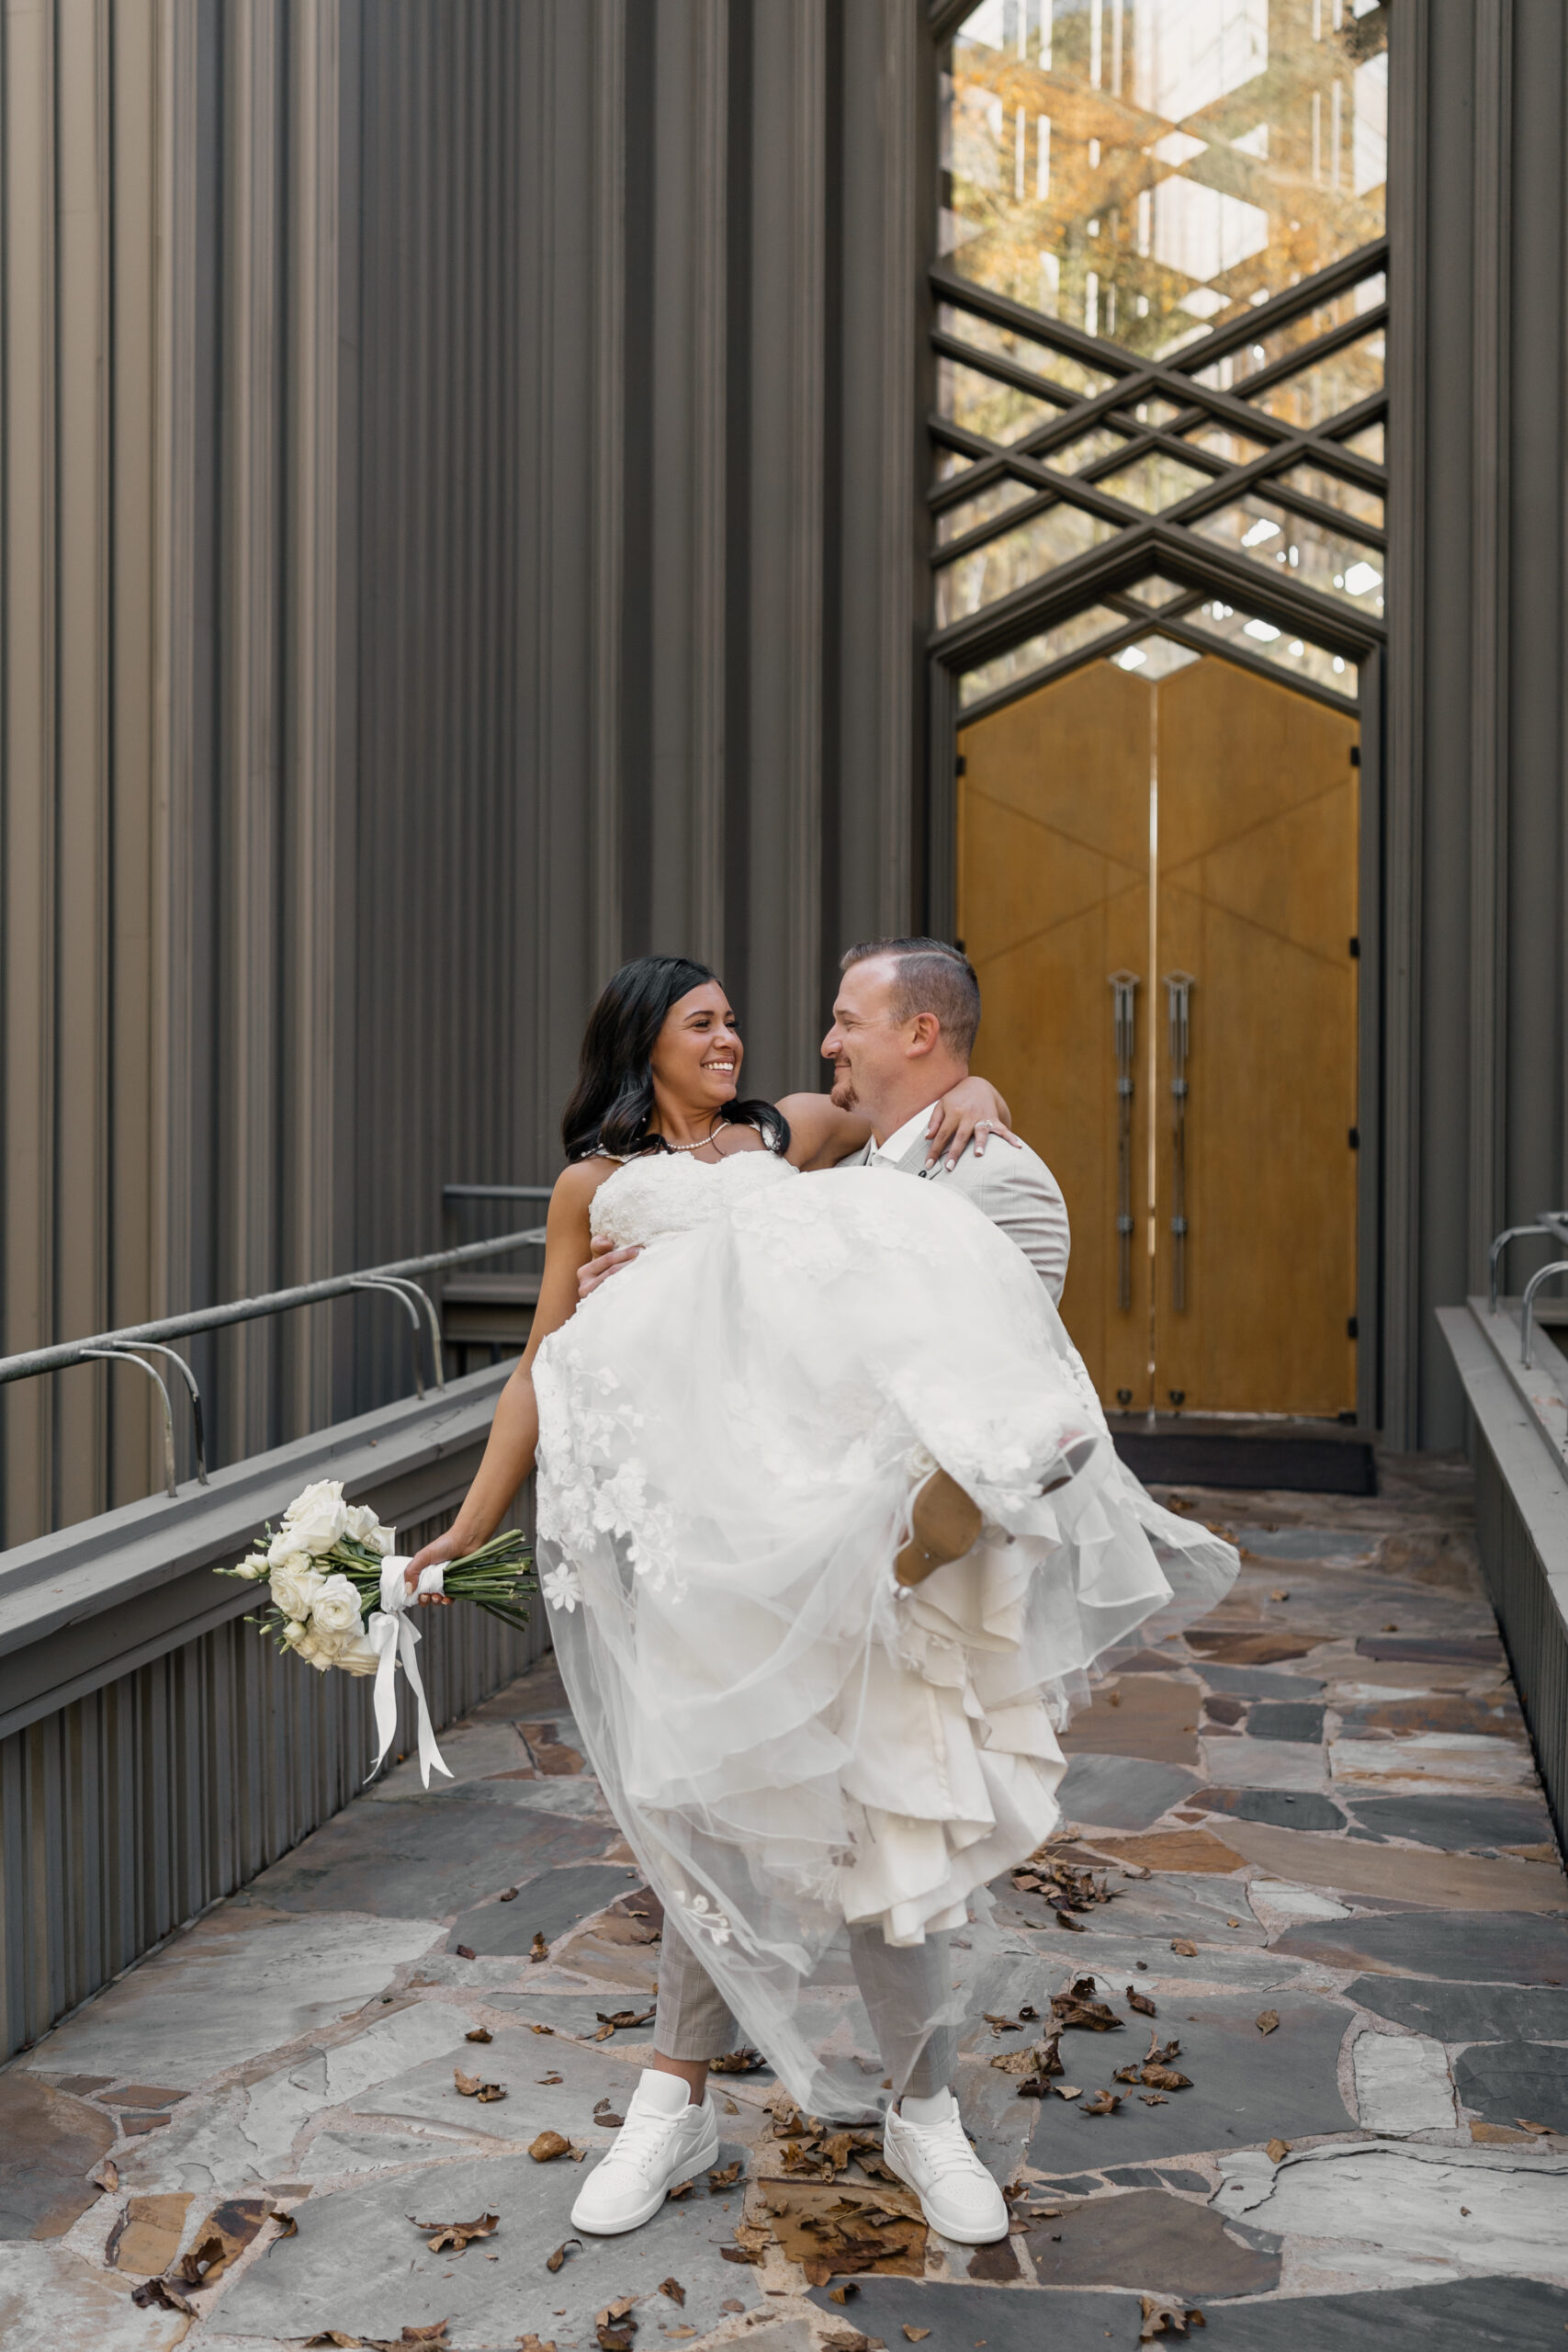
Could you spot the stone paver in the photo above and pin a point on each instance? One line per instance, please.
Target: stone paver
(1332, 1873)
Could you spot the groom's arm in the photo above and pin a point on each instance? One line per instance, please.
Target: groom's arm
(1018, 1192)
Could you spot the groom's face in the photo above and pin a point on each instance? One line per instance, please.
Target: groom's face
(869, 1050)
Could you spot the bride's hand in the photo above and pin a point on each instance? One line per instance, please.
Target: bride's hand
(972, 1110)
(445, 1547)
(605, 1260)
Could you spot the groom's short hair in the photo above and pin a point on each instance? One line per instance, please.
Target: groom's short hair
(930, 976)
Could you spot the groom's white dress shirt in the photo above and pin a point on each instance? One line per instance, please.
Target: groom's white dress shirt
(1011, 1185)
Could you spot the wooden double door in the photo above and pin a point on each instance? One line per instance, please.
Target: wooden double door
(1158, 886)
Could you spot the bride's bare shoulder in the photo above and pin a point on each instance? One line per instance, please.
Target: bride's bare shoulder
(576, 1185)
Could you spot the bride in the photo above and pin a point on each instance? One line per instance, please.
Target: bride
(832, 1532)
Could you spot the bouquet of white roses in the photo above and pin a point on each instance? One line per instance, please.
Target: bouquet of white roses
(339, 1596)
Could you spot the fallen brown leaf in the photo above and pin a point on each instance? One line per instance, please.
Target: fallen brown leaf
(1160, 2053)
(1066, 1919)
(612, 2021)
(489, 2092)
(1538, 2131)
(535, 2344)
(547, 2028)
(469, 2085)
(552, 2078)
(843, 2294)
(458, 2235)
(1103, 2103)
(1067, 2090)
(1165, 2316)
(730, 2304)
(167, 2294)
(106, 2177)
(615, 2339)
(465, 1951)
(682, 2189)
(1278, 1596)
(479, 2033)
(511, 1896)
(738, 2061)
(724, 2177)
(334, 2336)
(741, 2253)
(916, 2335)
(554, 2261)
(548, 2144)
(1180, 1944)
(287, 2227)
(605, 2117)
(1154, 2098)
(1268, 2021)
(539, 1950)
(1141, 2002)
(1027, 2013)
(849, 2339)
(1278, 2150)
(1164, 2079)
(672, 2288)
(1077, 2007)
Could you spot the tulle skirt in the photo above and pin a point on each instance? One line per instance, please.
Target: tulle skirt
(731, 1433)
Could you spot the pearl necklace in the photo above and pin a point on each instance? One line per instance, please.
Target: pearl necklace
(625, 1158)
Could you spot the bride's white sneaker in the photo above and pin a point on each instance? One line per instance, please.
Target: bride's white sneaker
(665, 2138)
(958, 2197)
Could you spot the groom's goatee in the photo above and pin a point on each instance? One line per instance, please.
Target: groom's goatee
(842, 1093)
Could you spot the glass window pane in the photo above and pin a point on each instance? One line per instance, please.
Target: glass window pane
(1316, 481)
(1052, 645)
(1074, 376)
(1100, 441)
(1294, 655)
(1155, 657)
(1156, 592)
(1154, 482)
(1149, 168)
(1368, 442)
(1351, 374)
(1231, 372)
(983, 508)
(1267, 533)
(1019, 557)
(1155, 411)
(980, 404)
(1235, 448)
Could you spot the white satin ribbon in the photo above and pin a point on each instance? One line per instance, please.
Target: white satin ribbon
(392, 1635)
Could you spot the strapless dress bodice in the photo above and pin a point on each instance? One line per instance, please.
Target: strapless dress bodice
(665, 1192)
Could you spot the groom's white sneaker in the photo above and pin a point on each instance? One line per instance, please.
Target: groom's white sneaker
(958, 2197)
(665, 2138)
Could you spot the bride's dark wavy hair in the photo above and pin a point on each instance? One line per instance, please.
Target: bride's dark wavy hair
(612, 1100)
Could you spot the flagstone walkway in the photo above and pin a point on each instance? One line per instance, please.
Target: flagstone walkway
(1333, 1884)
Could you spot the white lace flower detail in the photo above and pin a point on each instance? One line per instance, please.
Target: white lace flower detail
(698, 1912)
(562, 1588)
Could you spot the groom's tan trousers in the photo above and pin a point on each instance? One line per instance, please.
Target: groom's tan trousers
(903, 1986)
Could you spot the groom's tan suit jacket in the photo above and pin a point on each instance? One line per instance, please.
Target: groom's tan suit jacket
(1013, 1187)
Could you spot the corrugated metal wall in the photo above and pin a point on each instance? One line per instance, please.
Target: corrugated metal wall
(460, 503)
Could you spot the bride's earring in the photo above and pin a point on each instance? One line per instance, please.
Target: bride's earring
(944, 1524)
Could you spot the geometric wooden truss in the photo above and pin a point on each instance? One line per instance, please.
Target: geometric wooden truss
(1226, 497)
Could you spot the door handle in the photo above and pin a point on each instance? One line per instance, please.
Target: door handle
(1178, 988)
(1123, 990)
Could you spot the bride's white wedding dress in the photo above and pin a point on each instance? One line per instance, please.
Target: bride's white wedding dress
(731, 1432)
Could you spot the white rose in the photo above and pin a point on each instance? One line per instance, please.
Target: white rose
(360, 1522)
(335, 1609)
(385, 1541)
(294, 1633)
(316, 1519)
(255, 1566)
(296, 1584)
(319, 1650)
(357, 1656)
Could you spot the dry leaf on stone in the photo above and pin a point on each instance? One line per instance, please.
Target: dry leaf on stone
(511, 1896)
(106, 2177)
(535, 2344)
(682, 2189)
(843, 2294)
(1187, 1950)
(1164, 2079)
(1278, 2150)
(548, 2144)
(672, 2288)
(1160, 2053)
(465, 1951)
(604, 2116)
(539, 1950)
(849, 2339)
(1103, 2103)
(167, 2294)
(1269, 2020)
(479, 2033)
(552, 2078)
(489, 2092)
(1538, 2130)
(1028, 2014)
(738, 2061)
(1154, 2098)
(1278, 1596)
(729, 2304)
(468, 2085)
(287, 2227)
(1163, 2316)
(613, 2020)
(1002, 2025)
(741, 2253)
(1141, 2002)
(458, 2235)
(1067, 2090)
(334, 2336)
(554, 2261)
(547, 2028)
(1077, 2007)
(724, 2177)
(916, 2335)
(1066, 1919)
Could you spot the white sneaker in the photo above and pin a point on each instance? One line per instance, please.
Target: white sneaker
(659, 2144)
(958, 2197)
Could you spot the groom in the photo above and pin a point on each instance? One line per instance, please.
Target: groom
(904, 1025)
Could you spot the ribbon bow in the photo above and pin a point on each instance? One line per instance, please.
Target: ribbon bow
(392, 1635)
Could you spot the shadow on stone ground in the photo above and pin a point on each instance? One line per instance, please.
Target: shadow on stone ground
(1331, 1881)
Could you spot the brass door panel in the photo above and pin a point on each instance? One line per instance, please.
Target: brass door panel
(1248, 793)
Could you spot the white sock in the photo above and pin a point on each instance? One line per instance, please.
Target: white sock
(666, 2094)
(935, 2109)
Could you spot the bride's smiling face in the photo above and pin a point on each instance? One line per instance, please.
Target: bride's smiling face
(696, 1057)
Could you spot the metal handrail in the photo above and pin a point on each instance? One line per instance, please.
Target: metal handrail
(1526, 1316)
(129, 1355)
(66, 1352)
(1494, 1256)
(496, 1192)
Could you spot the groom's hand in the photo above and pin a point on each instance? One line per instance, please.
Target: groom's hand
(605, 1260)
